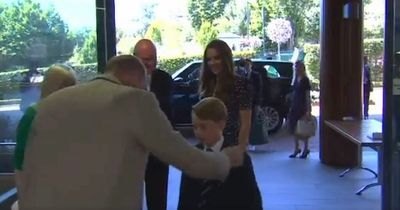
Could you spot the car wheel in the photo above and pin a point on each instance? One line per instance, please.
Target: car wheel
(272, 120)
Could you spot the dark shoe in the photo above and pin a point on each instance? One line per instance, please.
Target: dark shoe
(305, 154)
(295, 153)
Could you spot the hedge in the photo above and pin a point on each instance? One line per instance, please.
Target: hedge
(311, 61)
(373, 48)
(11, 80)
(175, 63)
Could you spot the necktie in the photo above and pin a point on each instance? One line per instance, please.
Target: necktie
(206, 187)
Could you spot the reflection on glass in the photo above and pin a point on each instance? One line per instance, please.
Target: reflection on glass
(34, 35)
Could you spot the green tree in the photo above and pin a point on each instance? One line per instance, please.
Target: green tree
(154, 32)
(29, 33)
(205, 11)
(312, 23)
(88, 52)
(206, 33)
(236, 18)
(146, 18)
(79, 36)
(311, 61)
(293, 10)
(273, 10)
(374, 18)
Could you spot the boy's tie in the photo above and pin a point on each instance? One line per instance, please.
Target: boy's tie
(207, 186)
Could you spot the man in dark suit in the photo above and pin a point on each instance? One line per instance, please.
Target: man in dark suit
(367, 86)
(160, 83)
(240, 190)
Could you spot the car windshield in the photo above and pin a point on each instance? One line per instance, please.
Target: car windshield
(178, 72)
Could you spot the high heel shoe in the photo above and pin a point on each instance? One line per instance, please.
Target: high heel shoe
(295, 153)
(305, 154)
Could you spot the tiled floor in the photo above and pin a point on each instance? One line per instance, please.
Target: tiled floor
(296, 184)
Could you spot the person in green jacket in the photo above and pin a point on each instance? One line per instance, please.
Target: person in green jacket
(57, 77)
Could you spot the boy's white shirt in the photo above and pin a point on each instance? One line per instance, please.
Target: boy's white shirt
(217, 146)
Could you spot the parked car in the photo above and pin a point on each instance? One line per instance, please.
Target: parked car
(277, 79)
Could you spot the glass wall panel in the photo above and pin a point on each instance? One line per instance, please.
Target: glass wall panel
(35, 34)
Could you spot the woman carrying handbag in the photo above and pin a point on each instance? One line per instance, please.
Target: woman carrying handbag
(300, 110)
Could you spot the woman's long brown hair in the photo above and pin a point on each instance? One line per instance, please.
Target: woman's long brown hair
(217, 85)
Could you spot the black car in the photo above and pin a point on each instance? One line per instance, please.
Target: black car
(277, 79)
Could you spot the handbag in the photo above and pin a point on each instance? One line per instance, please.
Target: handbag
(306, 127)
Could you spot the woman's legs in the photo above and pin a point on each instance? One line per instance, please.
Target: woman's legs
(297, 149)
(306, 149)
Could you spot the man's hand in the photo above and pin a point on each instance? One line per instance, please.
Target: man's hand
(235, 155)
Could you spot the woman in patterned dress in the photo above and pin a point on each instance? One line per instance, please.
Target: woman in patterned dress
(218, 79)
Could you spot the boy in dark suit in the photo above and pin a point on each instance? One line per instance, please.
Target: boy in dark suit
(240, 190)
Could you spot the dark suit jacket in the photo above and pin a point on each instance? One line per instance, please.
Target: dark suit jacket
(161, 86)
(238, 192)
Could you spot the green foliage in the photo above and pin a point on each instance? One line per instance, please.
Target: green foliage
(10, 80)
(373, 48)
(244, 54)
(205, 11)
(373, 33)
(206, 33)
(80, 37)
(29, 34)
(312, 23)
(85, 72)
(88, 52)
(374, 18)
(146, 17)
(175, 63)
(297, 11)
(154, 33)
(312, 63)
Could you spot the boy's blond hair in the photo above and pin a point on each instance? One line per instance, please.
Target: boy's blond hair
(58, 76)
(210, 108)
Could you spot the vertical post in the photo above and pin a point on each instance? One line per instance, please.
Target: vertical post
(279, 51)
(106, 33)
(341, 77)
(264, 19)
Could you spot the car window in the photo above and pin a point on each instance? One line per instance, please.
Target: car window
(272, 72)
(187, 72)
(195, 74)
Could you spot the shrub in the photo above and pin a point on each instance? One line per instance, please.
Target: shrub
(373, 48)
(85, 72)
(172, 64)
(312, 63)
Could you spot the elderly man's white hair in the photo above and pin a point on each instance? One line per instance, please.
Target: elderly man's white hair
(58, 76)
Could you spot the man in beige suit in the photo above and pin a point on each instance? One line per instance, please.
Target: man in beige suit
(89, 144)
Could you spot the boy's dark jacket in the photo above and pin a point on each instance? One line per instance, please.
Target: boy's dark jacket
(239, 191)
